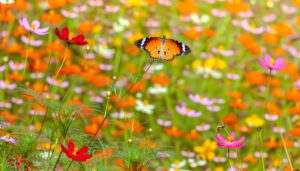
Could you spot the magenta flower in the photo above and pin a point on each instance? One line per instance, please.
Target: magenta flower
(272, 64)
(229, 142)
(34, 27)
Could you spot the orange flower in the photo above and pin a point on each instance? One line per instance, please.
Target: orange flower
(283, 29)
(238, 104)
(295, 110)
(7, 16)
(256, 78)
(273, 109)
(20, 5)
(15, 76)
(85, 27)
(37, 66)
(271, 39)
(70, 69)
(54, 4)
(130, 125)
(91, 129)
(278, 51)
(139, 86)
(277, 93)
(236, 6)
(187, 7)
(192, 33)
(129, 102)
(293, 95)
(296, 2)
(174, 132)
(295, 132)
(235, 94)
(55, 46)
(98, 119)
(11, 118)
(132, 50)
(209, 32)
(271, 143)
(14, 48)
(249, 43)
(193, 135)
(230, 119)
(249, 159)
(52, 17)
(147, 143)
(297, 21)
(161, 79)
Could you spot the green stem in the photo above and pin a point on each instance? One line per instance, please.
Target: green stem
(286, 151)
(261, 149)
(57, 160)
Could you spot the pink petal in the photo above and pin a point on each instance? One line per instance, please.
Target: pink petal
(220, 138)
(240, 140)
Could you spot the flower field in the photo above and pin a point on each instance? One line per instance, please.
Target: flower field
(142, 85)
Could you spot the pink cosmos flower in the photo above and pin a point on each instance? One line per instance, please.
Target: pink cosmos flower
(272, 64)
(31, 42)
(34, 27)
(164, 123)
(8, 138)
(229, 142)
(184, 110)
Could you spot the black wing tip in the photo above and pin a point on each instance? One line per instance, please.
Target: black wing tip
(138, 43)
(187, 50)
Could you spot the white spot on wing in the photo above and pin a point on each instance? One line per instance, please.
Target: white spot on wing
(143, 43)
(183, 48)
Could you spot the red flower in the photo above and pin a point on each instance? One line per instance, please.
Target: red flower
(75, 153)
(64, 35)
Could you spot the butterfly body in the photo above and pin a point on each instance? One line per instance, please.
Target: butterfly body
(162, 48)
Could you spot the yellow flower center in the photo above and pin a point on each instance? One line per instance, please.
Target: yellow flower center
(272, 61)
(229, 139)
(32, 25)
(51, 12)
(221, 47)
(7, 136)
(75, 151)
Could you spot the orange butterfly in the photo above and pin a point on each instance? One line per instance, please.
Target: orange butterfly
(162, 48)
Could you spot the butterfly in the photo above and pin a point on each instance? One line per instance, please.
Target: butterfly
(162, 48)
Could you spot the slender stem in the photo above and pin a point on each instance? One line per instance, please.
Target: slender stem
(70, 165)
(63, 62)
(261, 149)
(228, 155)
(57, 160)
(267, 96)
(27, 53)
(106, 114)
(286, 151)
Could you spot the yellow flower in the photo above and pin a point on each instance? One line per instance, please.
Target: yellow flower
(135, 37)
(254, 121)
(196, 64)
(215, 63)
(207, 150)
(134, 2)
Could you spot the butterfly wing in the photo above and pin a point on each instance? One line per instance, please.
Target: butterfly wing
(151, 45)
(173, 48)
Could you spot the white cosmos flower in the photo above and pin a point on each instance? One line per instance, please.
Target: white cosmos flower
(144, 106)
(157, 89)
(7, 1)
